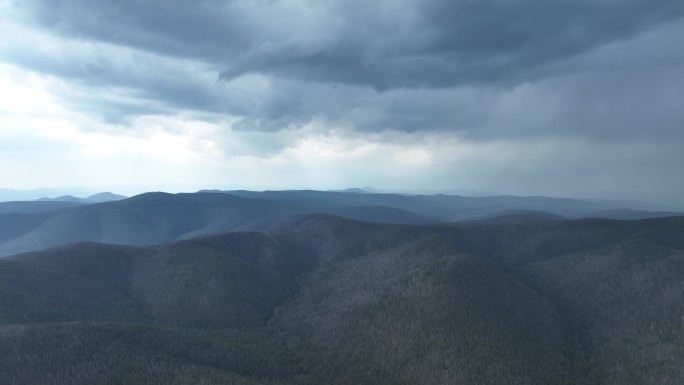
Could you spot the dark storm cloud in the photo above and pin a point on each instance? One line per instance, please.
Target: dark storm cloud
(383, 44)
(483, 68)
(443, 43)
(198, 29)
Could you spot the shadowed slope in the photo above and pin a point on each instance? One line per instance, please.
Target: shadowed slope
(620, 282)
(84, 353)
(233, 280)
(146, 219)
(32, 207)
(422, 313)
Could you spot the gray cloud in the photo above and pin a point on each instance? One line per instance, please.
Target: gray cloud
(202, 29)
(383, 44)
(486, 70)
(442, 43)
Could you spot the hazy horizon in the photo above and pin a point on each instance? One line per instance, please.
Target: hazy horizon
(10, 195)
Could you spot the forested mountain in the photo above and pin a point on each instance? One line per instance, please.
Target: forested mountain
(440, 207)
(50, 204)
(155, 218)
(32, 207)
(146, 219)
(519, 299)
(95, 198)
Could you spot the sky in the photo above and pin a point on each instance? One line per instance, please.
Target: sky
(575, 98)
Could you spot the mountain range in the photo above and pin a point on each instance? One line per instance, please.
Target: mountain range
(155, 218)
(95, 198)
(49, 204)
(293, 288)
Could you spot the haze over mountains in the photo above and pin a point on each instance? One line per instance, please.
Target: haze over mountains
(48, 204)
(308, 297)
(95, 198)
(155, 218)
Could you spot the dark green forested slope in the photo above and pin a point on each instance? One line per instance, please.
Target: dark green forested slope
(630, 296)
(325, 300)
(422, 313)
(123, 353)
(233, 280)
(620, 282)
(188, 312)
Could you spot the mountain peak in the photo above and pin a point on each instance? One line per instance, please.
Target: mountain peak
(105, 197)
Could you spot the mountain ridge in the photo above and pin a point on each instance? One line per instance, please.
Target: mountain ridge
(157, 217)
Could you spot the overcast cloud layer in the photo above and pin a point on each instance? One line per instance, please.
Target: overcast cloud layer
(572, 98)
